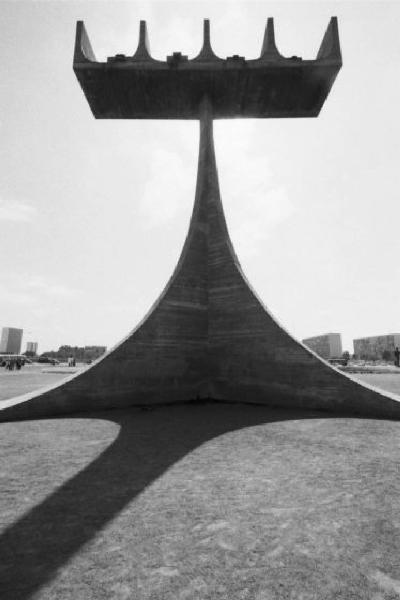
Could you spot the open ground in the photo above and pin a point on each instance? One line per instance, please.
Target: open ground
(200, 502)
(30, 378)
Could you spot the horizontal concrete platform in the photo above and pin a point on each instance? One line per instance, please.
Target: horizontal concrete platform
(272, 86)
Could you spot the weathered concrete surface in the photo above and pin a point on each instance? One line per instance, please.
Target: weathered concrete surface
(208, 336)
(140, 87)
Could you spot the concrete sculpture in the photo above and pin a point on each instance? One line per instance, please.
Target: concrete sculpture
(208, 336)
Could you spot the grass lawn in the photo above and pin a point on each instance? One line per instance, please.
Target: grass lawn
(389, 382)
(29, 378)
(207, 502)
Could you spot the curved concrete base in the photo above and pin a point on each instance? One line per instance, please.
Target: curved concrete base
(207, 336)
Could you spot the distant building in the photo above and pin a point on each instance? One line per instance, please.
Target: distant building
(31, 348)
(378, 347)
(326, 346)
(11, 339)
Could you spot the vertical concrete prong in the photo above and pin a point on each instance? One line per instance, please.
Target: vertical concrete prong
(206, 53)
(143, 49)
(330, 46)
(269, 49)
(206, 34)
(83, 50)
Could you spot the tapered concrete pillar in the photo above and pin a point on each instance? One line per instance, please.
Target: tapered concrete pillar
(207, 336)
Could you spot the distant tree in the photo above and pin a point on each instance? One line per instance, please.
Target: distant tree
(387, 355)
(346, 356)
(49, 353)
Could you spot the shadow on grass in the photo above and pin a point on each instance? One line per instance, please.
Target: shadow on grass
(149, 442)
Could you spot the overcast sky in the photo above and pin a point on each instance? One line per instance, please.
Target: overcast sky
(93, 214)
